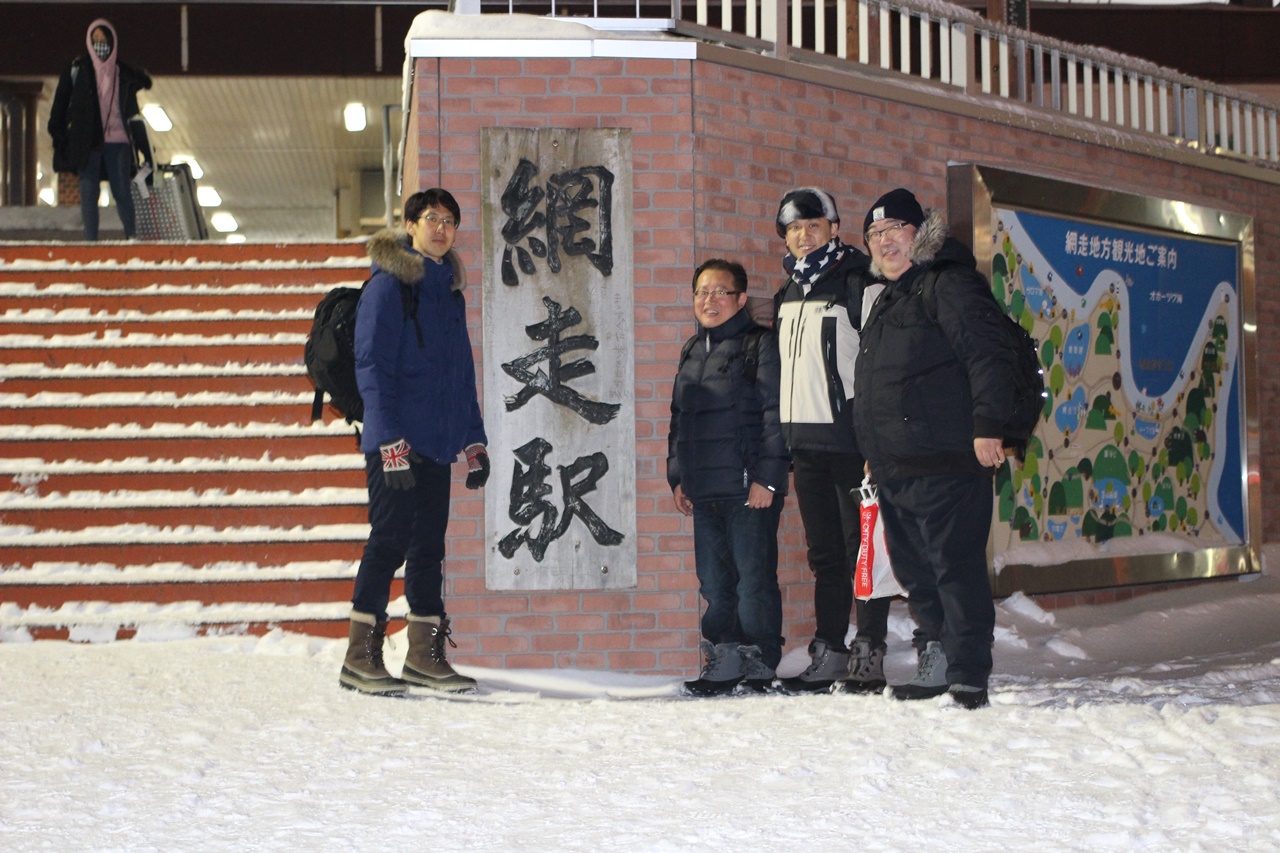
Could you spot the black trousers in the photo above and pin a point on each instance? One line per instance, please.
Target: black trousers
(826, 490)
(408, 529)
(935, 529)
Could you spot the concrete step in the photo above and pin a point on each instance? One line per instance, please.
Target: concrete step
(98, 411)
(159, 509)
(54, 443)
(37, 477)
(19, 297)
(31, 379)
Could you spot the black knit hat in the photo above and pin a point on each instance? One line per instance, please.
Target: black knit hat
(897, 204)
(805, 203)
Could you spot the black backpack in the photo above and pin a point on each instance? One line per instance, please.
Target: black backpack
(750, 353)
(1028, 379)
(330, 352)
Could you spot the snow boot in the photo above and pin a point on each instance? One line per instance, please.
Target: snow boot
(363, 668)
(721, 673)
(969, 698)
(931, 676)
(866, 669)
(757, 676)
(826, 665)
(425, 664)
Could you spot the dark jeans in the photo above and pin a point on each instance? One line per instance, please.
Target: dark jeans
(408, 528)
(935, 529)
(116, 158)
(736, 548)
(827, 490)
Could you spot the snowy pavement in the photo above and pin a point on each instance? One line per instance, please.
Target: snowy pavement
(1152, 724)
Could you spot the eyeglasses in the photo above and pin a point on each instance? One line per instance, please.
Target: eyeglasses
(718, 293)
(887, 231)
(436, 221)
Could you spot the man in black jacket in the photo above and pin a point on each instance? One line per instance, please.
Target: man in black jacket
(935, 381)
(818, 310)
(97, 128)
(727, 467)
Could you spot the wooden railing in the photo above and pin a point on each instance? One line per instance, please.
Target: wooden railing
(933, 40)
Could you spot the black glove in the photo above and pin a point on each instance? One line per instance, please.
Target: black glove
(396, 459)
(477, 466)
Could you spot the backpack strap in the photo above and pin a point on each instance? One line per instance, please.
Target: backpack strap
(751, 353)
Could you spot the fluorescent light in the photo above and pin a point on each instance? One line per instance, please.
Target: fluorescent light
(104, 196)
(353, 117)
(48, 196)
(235, 238)
(208, 197)
(196, 171)
(223, 221)
(157, 118)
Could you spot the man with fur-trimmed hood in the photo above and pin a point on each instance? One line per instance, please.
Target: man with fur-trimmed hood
(935, 381)
(417, 379)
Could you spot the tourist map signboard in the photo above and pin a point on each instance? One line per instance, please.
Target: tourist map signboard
(1138, 470)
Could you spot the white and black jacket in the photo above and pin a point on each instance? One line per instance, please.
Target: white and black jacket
(818, 340)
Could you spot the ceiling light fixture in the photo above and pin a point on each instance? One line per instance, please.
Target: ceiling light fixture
(157, 118)
(196, 171)
(224, 222)
(208, 197)
(353, 117)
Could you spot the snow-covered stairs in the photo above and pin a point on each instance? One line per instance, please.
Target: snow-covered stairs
(159, 473)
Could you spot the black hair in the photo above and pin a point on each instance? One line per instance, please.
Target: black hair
(733, 268)
(415, 204)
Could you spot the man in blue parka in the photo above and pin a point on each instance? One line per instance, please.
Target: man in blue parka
(417, 379)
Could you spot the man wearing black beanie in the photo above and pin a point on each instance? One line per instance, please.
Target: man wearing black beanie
(935, 381)
(817, 314)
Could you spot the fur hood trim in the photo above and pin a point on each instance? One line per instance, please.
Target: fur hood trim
(930, 236)
(392, 250)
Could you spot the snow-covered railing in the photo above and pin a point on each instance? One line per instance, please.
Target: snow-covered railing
(954, 47)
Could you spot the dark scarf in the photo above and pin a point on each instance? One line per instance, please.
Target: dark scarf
(805, 271)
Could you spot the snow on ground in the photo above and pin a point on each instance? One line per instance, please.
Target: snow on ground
(1152, 724)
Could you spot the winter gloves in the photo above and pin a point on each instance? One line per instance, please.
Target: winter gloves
(477, 466)
(398, 473)
(396, 456)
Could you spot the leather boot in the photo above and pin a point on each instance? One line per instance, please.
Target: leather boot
(425, 665)
(363, 668)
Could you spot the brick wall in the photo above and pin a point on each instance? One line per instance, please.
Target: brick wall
(715, 147)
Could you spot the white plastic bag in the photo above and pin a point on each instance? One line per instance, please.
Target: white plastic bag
(873, 577)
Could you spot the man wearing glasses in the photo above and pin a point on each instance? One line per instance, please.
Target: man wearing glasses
(417, 379)
(817, 313)
(934, 379)
(727, 467)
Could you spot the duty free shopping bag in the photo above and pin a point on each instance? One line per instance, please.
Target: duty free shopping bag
(873, 577)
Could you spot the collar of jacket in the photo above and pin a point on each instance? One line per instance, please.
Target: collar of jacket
(735, 325)
(392, 250)
(930, 236)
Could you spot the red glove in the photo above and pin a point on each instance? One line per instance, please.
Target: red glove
(477, 466)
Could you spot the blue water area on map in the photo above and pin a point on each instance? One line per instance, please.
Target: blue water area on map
(1069, 416)
(1075, 350)
(1155, 506)
(1034, 293)
(1110, 492)
(1057, 529)
(1145, 428)
(1230, 491)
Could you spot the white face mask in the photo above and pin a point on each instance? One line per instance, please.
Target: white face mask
(101, 49)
